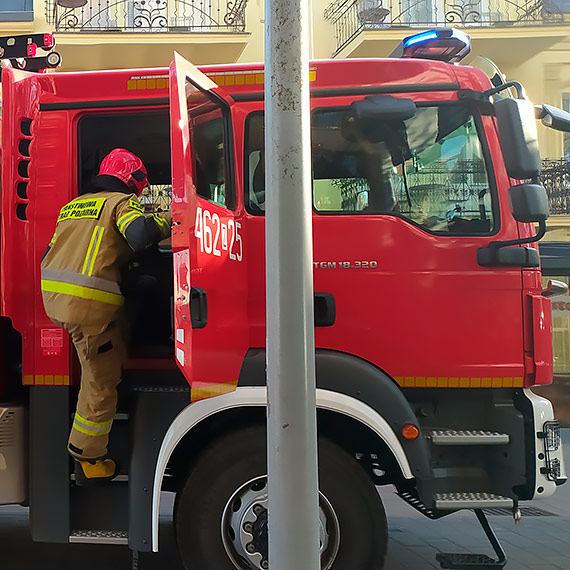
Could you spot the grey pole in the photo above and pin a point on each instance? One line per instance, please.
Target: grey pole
(291, 412)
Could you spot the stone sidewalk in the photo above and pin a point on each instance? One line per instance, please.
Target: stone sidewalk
(540, 542)
(537, 543)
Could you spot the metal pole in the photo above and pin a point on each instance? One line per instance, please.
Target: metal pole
(291, 413)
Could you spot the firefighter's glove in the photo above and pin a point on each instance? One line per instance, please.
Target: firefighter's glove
(166, 216)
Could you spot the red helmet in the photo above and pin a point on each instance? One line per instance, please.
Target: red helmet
(127, 167)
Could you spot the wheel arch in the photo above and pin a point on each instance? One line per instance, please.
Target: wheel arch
(247, 406)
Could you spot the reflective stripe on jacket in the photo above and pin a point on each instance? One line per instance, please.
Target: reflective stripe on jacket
(95, 236)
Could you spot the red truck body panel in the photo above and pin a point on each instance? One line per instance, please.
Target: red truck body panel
(424, 312)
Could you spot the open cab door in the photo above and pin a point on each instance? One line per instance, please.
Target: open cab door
(210, 278)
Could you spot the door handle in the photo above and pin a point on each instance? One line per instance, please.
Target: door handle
(198, 308)
(325, 310)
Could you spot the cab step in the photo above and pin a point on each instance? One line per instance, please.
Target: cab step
(117, 479)
(456, 501)
(411, 497)
(99, 537)
(463, 561)
(468, 437)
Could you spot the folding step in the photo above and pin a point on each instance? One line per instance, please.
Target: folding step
(99, 537)
(468, 437)
(467, 561)
(456, 501)
(462, 561)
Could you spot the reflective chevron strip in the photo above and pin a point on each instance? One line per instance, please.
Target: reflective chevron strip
(91, 428)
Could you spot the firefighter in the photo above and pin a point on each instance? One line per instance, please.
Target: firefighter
(96, 235)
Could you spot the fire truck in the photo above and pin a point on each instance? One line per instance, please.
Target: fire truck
(431, 322)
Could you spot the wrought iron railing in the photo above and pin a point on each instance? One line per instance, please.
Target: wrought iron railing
(350, 17)
(146, 15)
(556, 179)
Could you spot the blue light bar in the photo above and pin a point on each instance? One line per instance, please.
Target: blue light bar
(424, 36)
(443, 44)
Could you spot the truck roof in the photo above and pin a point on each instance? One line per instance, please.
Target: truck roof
(393, 74)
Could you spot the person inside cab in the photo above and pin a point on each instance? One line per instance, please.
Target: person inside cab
(96, 235)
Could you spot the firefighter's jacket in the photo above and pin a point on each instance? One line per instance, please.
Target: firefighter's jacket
(95, 236)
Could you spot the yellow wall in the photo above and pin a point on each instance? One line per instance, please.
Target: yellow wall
(538, 56)
(111, 50)
(545, 77)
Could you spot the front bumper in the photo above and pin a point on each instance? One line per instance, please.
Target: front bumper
(549, 459)
(553, 469)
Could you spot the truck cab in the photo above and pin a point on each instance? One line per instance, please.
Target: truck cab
(428, 342)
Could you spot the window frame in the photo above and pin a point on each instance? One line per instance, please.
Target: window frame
(79, 120)
(229, 149)
(247, 127)
(485, 150)
(17, 11)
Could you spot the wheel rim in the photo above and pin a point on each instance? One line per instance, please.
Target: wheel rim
(244, 527)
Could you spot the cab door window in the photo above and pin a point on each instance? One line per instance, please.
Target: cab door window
(210, 145)
(429, 169)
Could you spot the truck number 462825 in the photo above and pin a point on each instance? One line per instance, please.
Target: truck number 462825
(215, 235)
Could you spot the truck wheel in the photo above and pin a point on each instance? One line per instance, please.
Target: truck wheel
(220, 515)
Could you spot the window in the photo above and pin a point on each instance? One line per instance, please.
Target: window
(429, 169)
(147, 134)
(209, 134)
(17, 11)
(556, 7)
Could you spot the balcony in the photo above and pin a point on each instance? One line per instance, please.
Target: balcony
(115, 34)
(556, 179)
(353, 18)
(177, 16)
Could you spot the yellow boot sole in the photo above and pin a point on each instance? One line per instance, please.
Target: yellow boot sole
(95, 473)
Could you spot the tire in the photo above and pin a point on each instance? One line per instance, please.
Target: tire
(240, 457)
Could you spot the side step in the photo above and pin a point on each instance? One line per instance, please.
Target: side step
(411, 497)
(476, 561)
(117, 479)
(99, 537)
(456, 501)
(468, 437)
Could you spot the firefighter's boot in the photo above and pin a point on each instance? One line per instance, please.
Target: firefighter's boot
(94, 472)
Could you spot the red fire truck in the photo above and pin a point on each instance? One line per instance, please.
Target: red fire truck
(431, 323)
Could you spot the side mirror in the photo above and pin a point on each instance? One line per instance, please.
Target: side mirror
(529, 202)
(518, 137)
(553, 117)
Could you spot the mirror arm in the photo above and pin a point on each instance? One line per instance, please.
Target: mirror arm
(555, 288)
(482, 97)
(539, 235)
(498, 254)
(519, 89)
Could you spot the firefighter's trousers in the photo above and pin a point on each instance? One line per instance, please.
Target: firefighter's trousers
(101, 353)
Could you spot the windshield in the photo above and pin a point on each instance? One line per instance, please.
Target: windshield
(429, 169)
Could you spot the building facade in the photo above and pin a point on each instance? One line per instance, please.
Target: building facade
(528, 39)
